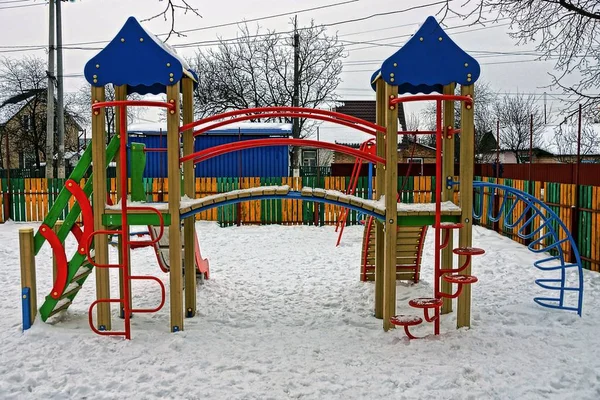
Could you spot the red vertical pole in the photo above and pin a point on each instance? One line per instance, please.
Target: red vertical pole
(238, 218)
(530, 146)
(575, 209)
(124, 238)
(162, 179)
(8, 191)
(497, 150)
(438, 209)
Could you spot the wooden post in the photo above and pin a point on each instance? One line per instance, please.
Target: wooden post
(380, 108)
(190, 191)
(55, 228)
(391, 208)
(103, 314)
(448, 191)
(174, 187)
(467, 159)
(28, 269)
(121, 94)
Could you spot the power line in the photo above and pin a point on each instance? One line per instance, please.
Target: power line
(22, 6)
(272, 16)
(14, 1)
(215, 42)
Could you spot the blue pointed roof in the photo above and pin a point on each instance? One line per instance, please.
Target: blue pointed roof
(138, 59)
(427, 62)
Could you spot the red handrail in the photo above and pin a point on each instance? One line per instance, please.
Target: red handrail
(341, 221)
(135, 103)
(163, 293)
(86, 213)
(161, 221)
(215, 151)
(91, 319)
(436, 97)
(62, 269)
(269, 110)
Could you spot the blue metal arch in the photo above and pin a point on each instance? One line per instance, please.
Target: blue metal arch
(546, 242)
(293, 195)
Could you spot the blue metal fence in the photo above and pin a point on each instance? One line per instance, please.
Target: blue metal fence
(258, 162)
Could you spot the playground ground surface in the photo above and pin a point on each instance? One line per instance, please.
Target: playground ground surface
(285, 316)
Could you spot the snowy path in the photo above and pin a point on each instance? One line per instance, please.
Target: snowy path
(285, 316)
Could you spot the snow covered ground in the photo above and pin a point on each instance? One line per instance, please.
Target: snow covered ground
(285, 316)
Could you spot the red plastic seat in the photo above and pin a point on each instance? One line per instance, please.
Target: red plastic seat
(460, 279)
(406, 320)
(468, 251)
(426, 302)
(449, 225)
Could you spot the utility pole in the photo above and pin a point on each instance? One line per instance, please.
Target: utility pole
(296, 95)
(50, 98)
(60, 95)
(545, 112)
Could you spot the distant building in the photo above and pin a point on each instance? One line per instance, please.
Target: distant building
(25, 129)
(270, 161)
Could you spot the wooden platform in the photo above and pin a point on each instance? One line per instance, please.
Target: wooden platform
(408, 214)
(409, 250)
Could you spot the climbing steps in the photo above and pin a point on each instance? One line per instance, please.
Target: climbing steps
(70, 275)
(448, 274)
(409, 250)
(533, 220)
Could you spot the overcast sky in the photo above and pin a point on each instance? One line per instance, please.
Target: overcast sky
(99, 20)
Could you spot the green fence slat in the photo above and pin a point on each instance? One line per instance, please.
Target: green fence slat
(22, 199)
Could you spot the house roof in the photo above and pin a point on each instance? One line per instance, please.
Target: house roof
(42, 96)
(365, 109)
(138, 59)
(427, 62)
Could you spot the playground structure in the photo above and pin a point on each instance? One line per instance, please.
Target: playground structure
(137, 62)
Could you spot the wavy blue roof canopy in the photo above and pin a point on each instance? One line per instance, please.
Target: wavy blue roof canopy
(137, 59)
(427, 62)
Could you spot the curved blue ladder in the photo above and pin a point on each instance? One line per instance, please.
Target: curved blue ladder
(548, 240)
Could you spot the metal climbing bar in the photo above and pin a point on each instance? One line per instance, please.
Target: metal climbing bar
(551, 234)
(428, 97)
(215, 151)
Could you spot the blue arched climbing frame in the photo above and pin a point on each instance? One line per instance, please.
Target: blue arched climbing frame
(545, 238)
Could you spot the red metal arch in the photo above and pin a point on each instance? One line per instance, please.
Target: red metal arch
(287, 114)
(292, 112)
(215, 151)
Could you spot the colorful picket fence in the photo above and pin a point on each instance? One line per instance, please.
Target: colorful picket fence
(29, 200)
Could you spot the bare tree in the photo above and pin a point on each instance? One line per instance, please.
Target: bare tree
(171, 7)
(257, 70)
(521, 122)
(25, 77)
(80, 102)
(484, 119)
(325, 158)
(565, 31)
(565, 139)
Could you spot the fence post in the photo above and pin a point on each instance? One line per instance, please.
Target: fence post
(28, 284)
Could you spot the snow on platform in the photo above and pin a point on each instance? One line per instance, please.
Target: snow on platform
(284, 315)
